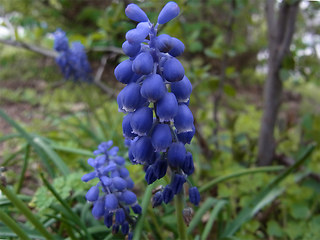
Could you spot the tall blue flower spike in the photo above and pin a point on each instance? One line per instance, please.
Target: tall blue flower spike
(158, 122)
(112, 197)
(72, 61)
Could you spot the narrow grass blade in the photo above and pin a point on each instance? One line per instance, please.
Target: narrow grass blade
(9, 136)
(24, 168)
(196, 220)
(144, 205)
(7, 220)
(6, 202)
(7, 233)
(217, 180)
(220, 204)
(72, 150)
(65, 205)
(259, 201)
(26, 212)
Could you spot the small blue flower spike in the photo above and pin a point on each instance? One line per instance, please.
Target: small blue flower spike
(158, 122)
(72, 61)
(112, 197)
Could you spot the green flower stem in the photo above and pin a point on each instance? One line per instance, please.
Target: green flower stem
(179, 203)
(26, 212)
(7, 220)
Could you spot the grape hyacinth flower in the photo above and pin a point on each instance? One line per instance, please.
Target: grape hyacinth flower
(155, 99)
(112, 197)
(72, 61)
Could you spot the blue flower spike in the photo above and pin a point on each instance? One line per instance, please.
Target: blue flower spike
(158, 122)
(112, 197)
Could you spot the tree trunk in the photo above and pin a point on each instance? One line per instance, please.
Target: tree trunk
(280, 32)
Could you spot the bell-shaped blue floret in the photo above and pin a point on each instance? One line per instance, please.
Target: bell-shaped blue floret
(131, 97)
(176, 154)
(136, 208)
(123, 172)
(160, 168)
(115, 228)
(142, 150)
(131, 50)
(157, 199)
(153, 88)
(98, 208)
(141, 121)
(115, 174)
(119, 160)
(186, 137)
(143, 63)
(183, 121)
(111, 202)
(137, 35)
(61, 42)
(126, 127)
(89, 176)
(130, 183)
(164, 43)
(161, 137)
(125, 228)
(119, 183)
(93, 194)
(177, 183)
(128, 197)
(154, 157)
(106, 181)
(120, 216)
(135, 13)
(167, 107)
(177, 47)
(173, 70)
(167, 194)
(120, 101)
(150, 175)
(194, 195)
(182, 89)
(123, 71)
(108, 219)
(168, 12)
(188, 166)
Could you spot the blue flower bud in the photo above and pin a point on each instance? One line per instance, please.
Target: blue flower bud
(98, 208)
(183, 121)
(173, 70)
(141, 121)
(160, 168)
(168, 12)
(125, 228)
(136, 208)
(106, 181)
(188, 167)
(143, 63)
(142, 150)
(130, 236)
(123, 71)
(167, 194)
(154, 157)
(119, 160)
(177, 183)
(137, 35)
(182, 89)
(167, 107)
(150, 175)
(89, 176)
(111, 202)
(153, 88)
(119, 183)
(161, 137)
(128, 197)
(115, 228)
(114, 174)
(131, 97)
(157, 199)
(93, 194)
(194, 195)
(120, 216)
(108, 219)
(186, 137)
(131, 50)
(176, 154)
(61, 42)
(110, 167)
(164, 43)
(177, 47)
(130, 183)
(126, 127)
(123, 172)
(135, 13)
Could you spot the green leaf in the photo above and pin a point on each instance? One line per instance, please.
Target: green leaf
(299, 211)
(274, 229)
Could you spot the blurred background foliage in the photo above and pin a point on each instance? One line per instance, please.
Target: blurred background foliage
(54, 124)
